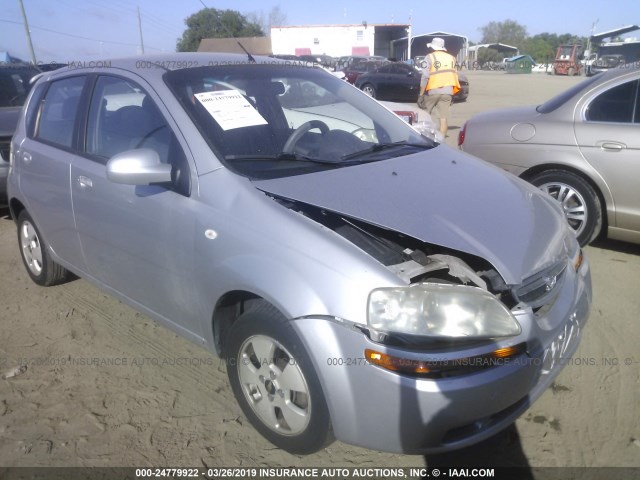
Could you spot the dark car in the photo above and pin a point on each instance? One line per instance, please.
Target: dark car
(324, 60)
(399, 81)
(14, 88)
(604, 63)
(348, 61)
(357, 68)
(391, 81)
(285, 56)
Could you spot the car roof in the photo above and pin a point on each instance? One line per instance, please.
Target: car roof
(156, 65)
(565, 100)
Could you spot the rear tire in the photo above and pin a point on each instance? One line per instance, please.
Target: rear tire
(35, 255)
(275, 382)
(580, 202)
(369, 90)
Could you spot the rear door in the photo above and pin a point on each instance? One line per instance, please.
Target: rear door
(608, 133)
(44, 160)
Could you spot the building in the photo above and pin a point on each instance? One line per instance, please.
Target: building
(337, 40)
(506, 50)
(253, 45)
(457, 45)
(628, 47)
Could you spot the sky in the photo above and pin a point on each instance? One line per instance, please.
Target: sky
(70, 30)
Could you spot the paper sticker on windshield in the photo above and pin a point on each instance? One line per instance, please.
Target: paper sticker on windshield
(230, 109)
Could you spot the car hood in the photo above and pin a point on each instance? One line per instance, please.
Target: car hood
(442, 197)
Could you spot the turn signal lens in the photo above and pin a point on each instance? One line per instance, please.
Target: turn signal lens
(438, 368)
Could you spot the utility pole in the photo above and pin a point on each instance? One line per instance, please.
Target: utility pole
(409, 40)
(26, 28)
(140, 29)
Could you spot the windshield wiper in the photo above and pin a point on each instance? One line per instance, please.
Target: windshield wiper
(282, 156)
(385, 146)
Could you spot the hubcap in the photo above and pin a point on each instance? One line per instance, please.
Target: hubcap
(572, 202)
(369, 91)
(31, 249)
(274, 385)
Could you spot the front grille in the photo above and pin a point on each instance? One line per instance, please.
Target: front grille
(541, 288)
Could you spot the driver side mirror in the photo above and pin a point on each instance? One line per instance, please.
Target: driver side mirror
(141, 166)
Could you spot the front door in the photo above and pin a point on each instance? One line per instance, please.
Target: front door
(137, 240)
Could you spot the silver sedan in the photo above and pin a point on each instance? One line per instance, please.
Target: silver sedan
(582, 147)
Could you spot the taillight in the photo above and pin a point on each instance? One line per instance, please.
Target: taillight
(461, 134)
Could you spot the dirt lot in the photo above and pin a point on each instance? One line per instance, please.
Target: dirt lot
(103, 388)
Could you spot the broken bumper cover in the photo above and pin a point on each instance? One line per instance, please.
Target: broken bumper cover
(383, 410)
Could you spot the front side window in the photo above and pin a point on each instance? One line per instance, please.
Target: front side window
(123, 117)
(617, 105)
(59, 110)
(268, 121)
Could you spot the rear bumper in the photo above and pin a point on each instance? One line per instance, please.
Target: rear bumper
(379, 409)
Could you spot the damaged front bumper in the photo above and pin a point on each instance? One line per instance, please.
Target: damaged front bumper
(384, 410)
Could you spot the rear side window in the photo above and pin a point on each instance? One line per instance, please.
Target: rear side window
(59, 110)
(616, 105)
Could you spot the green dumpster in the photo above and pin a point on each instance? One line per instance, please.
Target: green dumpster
(519, 64)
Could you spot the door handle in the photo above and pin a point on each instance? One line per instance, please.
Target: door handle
(26, 157)
(84, 182)
(612, 146)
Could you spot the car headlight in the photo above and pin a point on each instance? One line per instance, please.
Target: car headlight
(440, 311)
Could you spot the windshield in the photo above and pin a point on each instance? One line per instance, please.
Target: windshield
(269, 121)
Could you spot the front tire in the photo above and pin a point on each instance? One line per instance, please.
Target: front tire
(580, 202)
(35, 256)
(274, 381)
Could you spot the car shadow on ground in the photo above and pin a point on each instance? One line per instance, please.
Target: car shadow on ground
(503, 450)
(617, 246)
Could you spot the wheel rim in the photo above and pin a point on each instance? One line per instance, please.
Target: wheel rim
(31, 248)
(274, 385)
(573, 204)
(369, 91)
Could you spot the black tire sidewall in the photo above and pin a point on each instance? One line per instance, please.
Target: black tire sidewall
(591, 200)
(268, 322)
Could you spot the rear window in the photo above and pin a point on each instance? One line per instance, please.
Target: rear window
(559, 100)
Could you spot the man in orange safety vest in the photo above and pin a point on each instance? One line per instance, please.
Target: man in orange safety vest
(439, 82)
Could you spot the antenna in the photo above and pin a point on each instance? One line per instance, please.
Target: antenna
(224, 27)
(140, 29)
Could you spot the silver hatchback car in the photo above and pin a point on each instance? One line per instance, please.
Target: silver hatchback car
(361, 281)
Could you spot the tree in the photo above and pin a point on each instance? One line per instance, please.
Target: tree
(542, 47)
(488, 55)
(508, 32)
(276, 17)
(213, 23)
